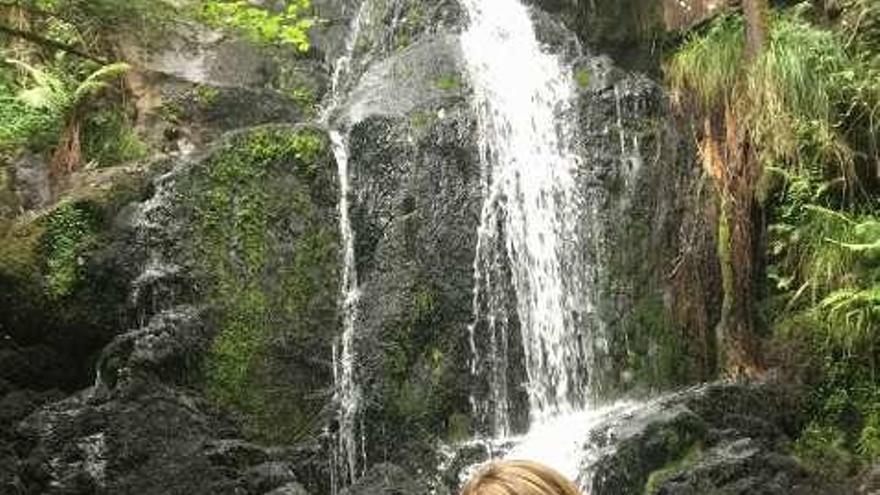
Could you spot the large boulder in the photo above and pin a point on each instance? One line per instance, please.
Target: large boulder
(416, 181)
(231, 284)
(724, 439)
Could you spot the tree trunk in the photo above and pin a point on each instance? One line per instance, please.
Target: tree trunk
(68, 153)
(755, 12)
(731, 161)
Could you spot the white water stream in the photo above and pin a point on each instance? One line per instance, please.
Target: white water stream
(529, 213)
(527, 234)
(349, 448)
(526, 241)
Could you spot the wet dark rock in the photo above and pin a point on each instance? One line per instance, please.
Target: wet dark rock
(631, 31)
(387, 479)
(32, 183)
(35, 367)
(146, 426)
(869, 482)
(725, 439)
(145, 439)
(659, 291)
(168, 348)
(289, 489)
(414, 230)
(18, 404)
(269, 476)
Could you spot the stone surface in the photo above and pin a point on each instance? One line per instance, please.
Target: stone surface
(387, 479)
(415, 211)
(724, 439)
(32, 182)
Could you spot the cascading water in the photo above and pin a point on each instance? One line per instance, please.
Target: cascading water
(347, 393)
(529, 214)
(528, 245)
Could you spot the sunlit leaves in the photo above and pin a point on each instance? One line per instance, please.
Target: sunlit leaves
(289, 26)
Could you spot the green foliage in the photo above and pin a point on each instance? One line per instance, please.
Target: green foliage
(22, 125)
(824, 450)
(37, 111)
(827, 286)
(290, 26)
(809, 103)
(706, 67)
(805, 99)
(70, 232)
(51, 92)
(109, 138)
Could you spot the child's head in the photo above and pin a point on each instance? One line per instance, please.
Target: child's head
(519, 478)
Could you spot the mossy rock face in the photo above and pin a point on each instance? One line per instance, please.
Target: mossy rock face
(265, 248)
(223, 302)
(658, 291)
(63, 284)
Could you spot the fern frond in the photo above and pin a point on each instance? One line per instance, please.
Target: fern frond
(98, 80)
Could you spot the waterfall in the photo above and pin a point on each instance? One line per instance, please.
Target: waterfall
(527, 233)
(347, 394)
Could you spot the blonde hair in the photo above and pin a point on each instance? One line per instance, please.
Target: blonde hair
(519, 478)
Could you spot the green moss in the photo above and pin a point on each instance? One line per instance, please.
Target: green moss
(448, 82)
(658, 477)
(273, 285)
(412, 23)
(458, 427)
(582, 77)
(305, 99)
(421, 120)
(19, 249)
(727, 274)
(869, 438)
(206, 95)
(171, 111)
(70, 231)
(8, 199)
(655, 350)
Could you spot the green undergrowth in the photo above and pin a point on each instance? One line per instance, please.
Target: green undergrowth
(808, 104)
(269, 251)
(60, 284)
(109, 138)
